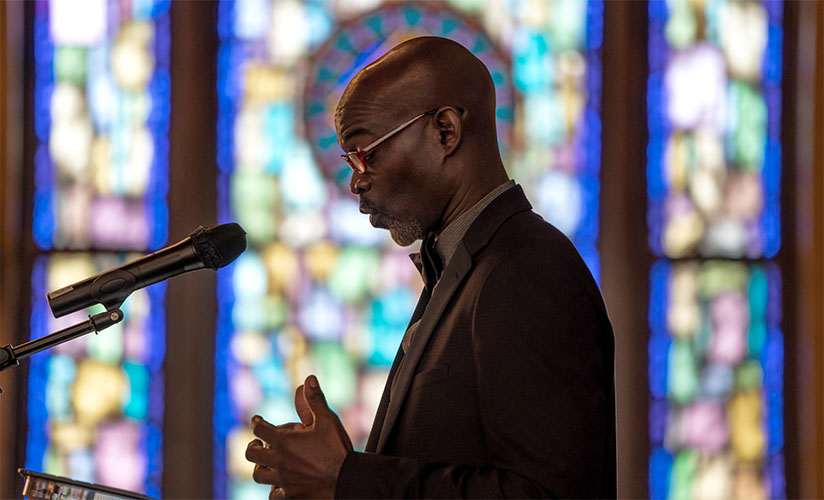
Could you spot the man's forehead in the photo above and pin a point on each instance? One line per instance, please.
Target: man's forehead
(376, 98)
(352, 122)
(367, 116)
(351, 133)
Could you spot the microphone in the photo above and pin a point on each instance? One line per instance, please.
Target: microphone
(212, 247)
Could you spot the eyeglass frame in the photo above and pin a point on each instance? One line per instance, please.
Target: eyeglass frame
(356, 159)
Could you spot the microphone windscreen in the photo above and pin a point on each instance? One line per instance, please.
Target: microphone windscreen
(218, 246)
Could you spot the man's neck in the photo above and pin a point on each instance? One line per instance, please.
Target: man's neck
(450, 236)
(466, 198)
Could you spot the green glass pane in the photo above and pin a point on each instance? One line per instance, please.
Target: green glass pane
(337, 372)
(703, 337)
(750, 134)
(718, 276)
(70, 64)
(107, 346)
(681, 25)
(468, 5)
(53, 462)
(683, 376)
(749, 376)
(354, 271)
(249, 313)
(683, 475)
(567, 23)
(255, 201)
(277, 311)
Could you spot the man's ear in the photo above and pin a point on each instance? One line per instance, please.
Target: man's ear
(449, 121)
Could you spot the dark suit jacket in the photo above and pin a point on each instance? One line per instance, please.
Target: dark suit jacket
(507, 389)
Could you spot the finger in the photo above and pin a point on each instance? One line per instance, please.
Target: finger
(276, 493)
(292, 426)
(302, 407)
(264, 430)
(258, 453)
(265, 475)
(314, 397)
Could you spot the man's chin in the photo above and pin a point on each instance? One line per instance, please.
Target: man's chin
(405, 234)
(401, 238)
(402, 233)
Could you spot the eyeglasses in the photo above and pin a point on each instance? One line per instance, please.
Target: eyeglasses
(357, 159)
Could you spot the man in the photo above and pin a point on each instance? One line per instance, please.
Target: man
(503, 385)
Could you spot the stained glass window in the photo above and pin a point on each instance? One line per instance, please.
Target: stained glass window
(714, 164)
(101, 102)
(319, 290)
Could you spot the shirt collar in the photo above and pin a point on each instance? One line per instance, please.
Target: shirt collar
(447, 241)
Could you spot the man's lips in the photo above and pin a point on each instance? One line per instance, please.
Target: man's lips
(376, 217)
(375, 220)
(363, 206)
(367, 207)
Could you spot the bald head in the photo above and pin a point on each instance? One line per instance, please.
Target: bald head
(418, 75)
(437, 103)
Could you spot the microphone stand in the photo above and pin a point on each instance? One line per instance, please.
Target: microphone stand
(10, 356)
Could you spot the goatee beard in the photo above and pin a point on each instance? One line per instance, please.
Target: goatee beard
(403, 232)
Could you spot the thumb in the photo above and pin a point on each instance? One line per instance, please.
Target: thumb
(302, 407)
(314, 396)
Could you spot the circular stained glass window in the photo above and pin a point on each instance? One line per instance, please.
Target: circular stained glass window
(360, 41)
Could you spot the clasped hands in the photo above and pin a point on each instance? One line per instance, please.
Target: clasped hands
(300, 459)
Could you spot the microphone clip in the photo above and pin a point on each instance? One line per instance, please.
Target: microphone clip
(112, 288)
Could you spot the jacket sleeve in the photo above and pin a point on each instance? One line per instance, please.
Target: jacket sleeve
(542, 349)
(369, 475)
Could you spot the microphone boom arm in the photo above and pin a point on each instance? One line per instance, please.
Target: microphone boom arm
(10, 356)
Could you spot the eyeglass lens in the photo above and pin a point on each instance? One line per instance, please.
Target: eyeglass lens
(355, 162)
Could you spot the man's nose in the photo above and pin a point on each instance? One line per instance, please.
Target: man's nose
(359, 183)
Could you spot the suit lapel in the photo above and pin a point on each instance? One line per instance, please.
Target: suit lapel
(477, 236)
(380, 415)
(452, 276)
